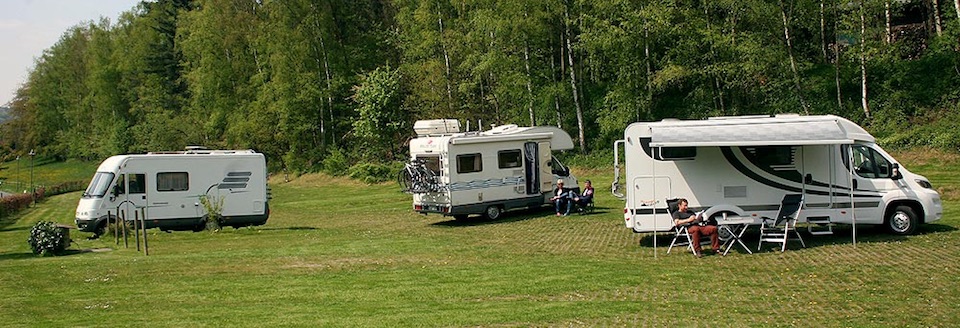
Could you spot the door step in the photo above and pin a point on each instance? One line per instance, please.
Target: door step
(819, 225)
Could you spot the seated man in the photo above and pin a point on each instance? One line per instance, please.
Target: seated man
(585, 197)
(697, 227)
(561, 199)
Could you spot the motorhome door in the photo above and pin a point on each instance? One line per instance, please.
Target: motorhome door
(531, 167)
(872, 176)
(134, 195)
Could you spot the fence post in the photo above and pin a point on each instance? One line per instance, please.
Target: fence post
(123, 219)
(136, 227)
(143, 216)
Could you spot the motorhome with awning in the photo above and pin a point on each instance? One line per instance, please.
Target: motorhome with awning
(744, 165)
(457, 174)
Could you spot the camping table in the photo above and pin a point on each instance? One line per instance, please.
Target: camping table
(736, 226)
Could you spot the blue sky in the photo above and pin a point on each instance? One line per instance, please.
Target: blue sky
(27, 27)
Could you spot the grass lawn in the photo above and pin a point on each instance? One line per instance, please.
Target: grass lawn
(338, 253)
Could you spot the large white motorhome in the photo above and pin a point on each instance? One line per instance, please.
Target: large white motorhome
(457, 173)
(169, 186)
(745, 165)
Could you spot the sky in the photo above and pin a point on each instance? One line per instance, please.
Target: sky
(27, 27)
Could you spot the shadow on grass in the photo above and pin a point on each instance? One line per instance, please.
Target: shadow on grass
(842, 234)
(14, 229)
(69, 252)
(514, 216)
(285, 228)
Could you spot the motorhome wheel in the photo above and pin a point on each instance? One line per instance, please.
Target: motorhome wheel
(902, 221)
(492, 212)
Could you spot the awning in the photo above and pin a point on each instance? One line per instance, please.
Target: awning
(769, 131)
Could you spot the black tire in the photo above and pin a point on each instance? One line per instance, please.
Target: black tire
(492, 212)
(100, 230)
(902, 221)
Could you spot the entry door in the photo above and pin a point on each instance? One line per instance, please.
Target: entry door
(136, 195)
(531, 166)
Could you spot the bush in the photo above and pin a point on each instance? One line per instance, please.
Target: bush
(47, 238)
(14, 203)
(63, 188)
(336, 163)
(375, 173)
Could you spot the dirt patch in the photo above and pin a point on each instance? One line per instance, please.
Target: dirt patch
(927, 156)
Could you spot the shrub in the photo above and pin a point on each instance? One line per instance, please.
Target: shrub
(335, 163)
(374, 173)
(47, 238)
(14, 203)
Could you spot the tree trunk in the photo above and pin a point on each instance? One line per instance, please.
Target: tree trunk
(956, 5)
(793, 63)
(888, 35)
(646, 58)
(573, 87)
(557, 79)
(446, 60)
(836, 58)
(863, 63)
(936, 17)
(823, 31)
(526, 63)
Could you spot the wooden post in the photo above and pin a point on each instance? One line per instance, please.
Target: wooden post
(123, 220)
(136, 227)
(143, 216)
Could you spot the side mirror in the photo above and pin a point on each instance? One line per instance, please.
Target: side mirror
(895, 174)
(115, 191)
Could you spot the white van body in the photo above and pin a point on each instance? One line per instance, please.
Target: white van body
(745, 165)
(169, 186)
(461, 173)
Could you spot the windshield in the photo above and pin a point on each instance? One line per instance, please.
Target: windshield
(99, 184)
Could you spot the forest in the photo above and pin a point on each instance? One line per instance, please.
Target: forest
(315, 84)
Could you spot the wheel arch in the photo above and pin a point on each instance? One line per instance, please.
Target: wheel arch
(912, 204)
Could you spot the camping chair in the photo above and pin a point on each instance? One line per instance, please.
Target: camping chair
(778, 230)
(584, 209)
(681, 234)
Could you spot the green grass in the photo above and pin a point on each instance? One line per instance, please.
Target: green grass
(339, 253)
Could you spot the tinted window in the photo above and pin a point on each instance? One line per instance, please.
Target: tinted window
(469, 163)
(868, 163)
(98, 186)
(173, 181)
(138, 183)
(432, 163)
(509, 159)
(668, 153)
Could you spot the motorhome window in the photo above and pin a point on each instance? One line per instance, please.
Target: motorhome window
(675, 153)
(173, 181)
(509, 158)
(868, 163)
(469, 163)
(98, 186)
(558, 168)
(432, 163)
(138, 183)
(771, 156)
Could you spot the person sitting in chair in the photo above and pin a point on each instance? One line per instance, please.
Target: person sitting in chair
(585, 197)
(561, 199)
(697, 227)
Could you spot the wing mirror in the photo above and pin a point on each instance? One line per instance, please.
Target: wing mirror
(895, 174)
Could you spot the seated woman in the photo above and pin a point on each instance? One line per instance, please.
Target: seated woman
(586, 196)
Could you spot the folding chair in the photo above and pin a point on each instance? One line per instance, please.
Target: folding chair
(778, 230)
(679, 231)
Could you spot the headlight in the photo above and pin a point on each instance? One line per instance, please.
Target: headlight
(924, 183)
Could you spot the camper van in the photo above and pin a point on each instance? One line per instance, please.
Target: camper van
(744, 165)
(168, 186)
(457, 174)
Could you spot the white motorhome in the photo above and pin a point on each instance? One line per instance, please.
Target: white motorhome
(457, 173)
(745, 165)
(169, 186)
